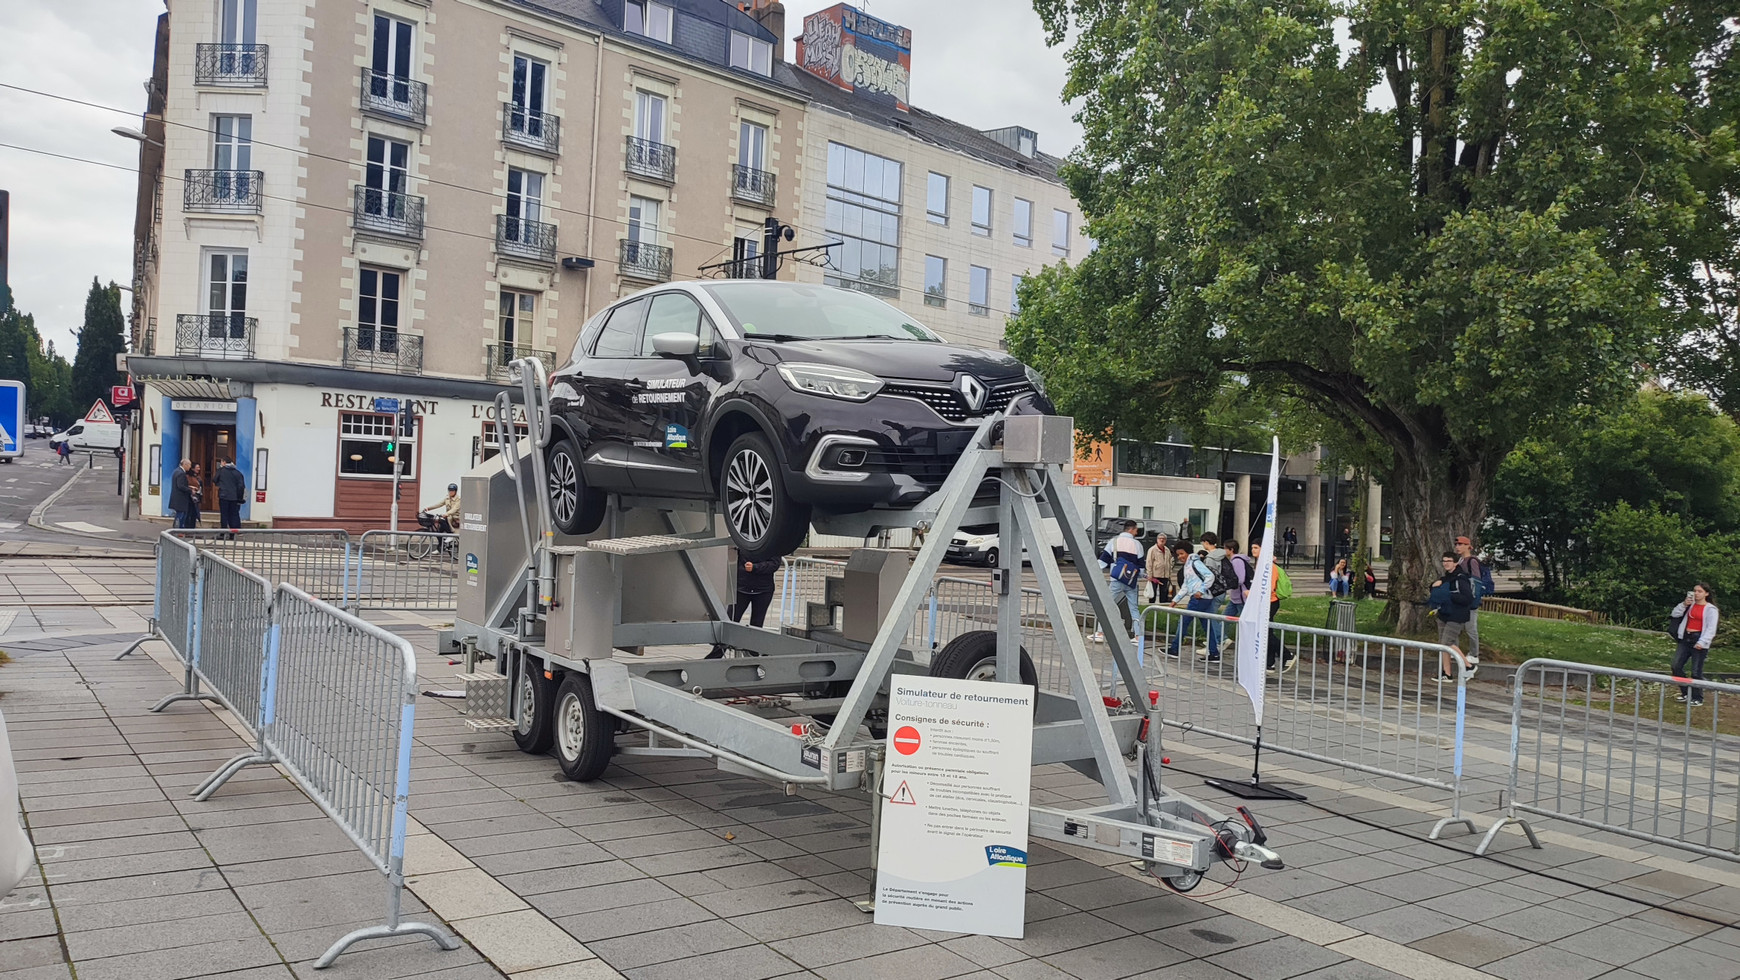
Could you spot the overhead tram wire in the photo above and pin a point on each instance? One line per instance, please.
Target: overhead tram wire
(490, 193)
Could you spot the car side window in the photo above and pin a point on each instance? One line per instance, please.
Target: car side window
(621, 334)
(676, 313)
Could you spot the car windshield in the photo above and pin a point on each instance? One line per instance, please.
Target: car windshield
(782, 311)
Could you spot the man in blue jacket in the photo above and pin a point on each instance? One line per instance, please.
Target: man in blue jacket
(1452, 599)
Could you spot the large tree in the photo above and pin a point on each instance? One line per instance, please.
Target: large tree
(1441, 225)
(100, 339)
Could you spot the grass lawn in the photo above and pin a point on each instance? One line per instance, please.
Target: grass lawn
(1514, 639)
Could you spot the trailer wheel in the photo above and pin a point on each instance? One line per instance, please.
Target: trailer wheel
(1183, 881)
(585, 736)
(973, 657)
(532, 734)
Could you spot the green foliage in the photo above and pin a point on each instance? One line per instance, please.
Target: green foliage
(1643, 561)
(1672, 453)
(1439, 277)
(46, 375)
(100, 339)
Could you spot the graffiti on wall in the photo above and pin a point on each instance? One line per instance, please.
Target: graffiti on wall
(858, 53)
(869, 73)
(822, 42)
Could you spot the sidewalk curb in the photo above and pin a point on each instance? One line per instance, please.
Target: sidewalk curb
(35, 519)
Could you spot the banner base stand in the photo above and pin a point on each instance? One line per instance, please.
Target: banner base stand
(1254, 790)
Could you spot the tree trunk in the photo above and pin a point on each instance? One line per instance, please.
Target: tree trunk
(1433, 505)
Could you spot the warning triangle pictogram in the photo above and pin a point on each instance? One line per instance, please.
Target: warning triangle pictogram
(99, 413)
(904, 795)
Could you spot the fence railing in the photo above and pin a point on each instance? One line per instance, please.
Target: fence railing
(230, 65)
(222, 191)
(328, 697)
(405, 570)
(525, 238)
(530, 128)
(316, 561)
(1616, 750)
(393, 213)
(397, 96)
(803, 581)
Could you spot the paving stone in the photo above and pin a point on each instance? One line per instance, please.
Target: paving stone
(1472, 945)
(1351, 970)
(610, 922)
(1276, 959)
(1682, 963)
(182, 961)
(983, 950)
(1161, 911)
(1072, 931)
(1116, 958)
(1345, 903)
(746, 963)
(622, 894)
(1406, 923)
(919, 963)
(520, 941)
(1211, 936)
(679, 942)
(851, 943)
(1540, 924)
(1547, 963)
(82, 916)
(762, 898)
(804, 920)
(128, 866)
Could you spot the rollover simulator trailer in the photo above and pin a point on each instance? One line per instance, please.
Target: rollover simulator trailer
(599, 637)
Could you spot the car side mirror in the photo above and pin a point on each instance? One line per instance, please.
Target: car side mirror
(682, 346)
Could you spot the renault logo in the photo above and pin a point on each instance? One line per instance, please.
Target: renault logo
(973, 392)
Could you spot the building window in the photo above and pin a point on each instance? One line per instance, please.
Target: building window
(232, 162)
(751, 53)
(1015, 294)
(531, 79)
(936, 199)
(363, 444)
(1123, 510)
(1060, 233)
(1024, 223)
(377, 310)
(649, 117)
(981, 210)
(485, 448)
(643, 220)
(385, 173)
(752, 146)
(648, 19)
(978, 291)
(864, 214)
(518, 311)
(936, 272)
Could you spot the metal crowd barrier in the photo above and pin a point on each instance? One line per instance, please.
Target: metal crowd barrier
(339, 718)
(316, 561)
(803, 581)
(955, 606)
(1614, 750)
(404, 570)
(327, 696)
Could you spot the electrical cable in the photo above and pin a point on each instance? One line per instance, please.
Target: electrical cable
(1658, 906)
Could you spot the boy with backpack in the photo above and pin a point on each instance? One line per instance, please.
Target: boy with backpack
(1207, 577)
(1240, 569)
(1480, 577)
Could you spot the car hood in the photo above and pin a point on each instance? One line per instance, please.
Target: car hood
(890, 359)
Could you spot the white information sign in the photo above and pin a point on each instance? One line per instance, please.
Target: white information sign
(953, 853)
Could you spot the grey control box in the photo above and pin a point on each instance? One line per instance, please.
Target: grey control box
(1038, 439)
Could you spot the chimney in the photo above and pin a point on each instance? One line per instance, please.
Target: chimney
(847, 48)
(771, 15)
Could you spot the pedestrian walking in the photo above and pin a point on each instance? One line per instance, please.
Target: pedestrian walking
(1197, 595)
(181, 495)
(1125, 560)
(1291, 538)
(1694, 623)
(1481, 578)
(65, 451)
(1243, 569)
(232, 488)
(754, 595)
(1452, 598)
(1160, 570)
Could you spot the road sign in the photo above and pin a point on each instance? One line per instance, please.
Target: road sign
(121, 395)
(11, 418)
(100, 413)
(386, 404)
(954, 835)
(1093, 465)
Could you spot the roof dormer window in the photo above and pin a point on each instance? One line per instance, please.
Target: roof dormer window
(648, 18)
(751, 54)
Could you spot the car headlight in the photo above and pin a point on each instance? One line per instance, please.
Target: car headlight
(833, 382)
(1034, 378)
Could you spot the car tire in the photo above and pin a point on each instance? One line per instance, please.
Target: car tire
(763, 519)
(574, 508)
(991, 558)
(973, 656)
(533, 734)
(584, 736)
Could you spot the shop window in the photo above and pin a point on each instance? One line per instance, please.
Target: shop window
(368, 447)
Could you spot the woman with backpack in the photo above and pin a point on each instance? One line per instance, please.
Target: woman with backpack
(1694, 628)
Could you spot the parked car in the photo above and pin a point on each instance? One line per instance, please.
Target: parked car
(980, 545)
(90, 435)
(38, 430)
(776, 399)
(1147, 529)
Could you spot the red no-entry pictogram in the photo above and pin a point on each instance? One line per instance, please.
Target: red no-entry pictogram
(906, 740)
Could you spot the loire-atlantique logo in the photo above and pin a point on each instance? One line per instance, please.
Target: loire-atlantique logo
(1004, 856)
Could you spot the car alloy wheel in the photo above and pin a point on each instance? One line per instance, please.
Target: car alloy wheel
(749, 494)
(564, 479)
(574, 508)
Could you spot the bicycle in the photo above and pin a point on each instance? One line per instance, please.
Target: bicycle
(421, 546)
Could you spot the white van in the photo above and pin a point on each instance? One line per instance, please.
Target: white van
(99, 436)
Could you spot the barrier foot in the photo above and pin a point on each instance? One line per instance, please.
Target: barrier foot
(446, 940)
(181, 696)
(215, 781)
(136, 644)
(1486, 842)
(1438, 828)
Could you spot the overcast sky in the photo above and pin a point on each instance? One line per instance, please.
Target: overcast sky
(981, 62)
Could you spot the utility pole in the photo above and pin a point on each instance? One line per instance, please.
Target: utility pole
(403, 424)
(772, 231)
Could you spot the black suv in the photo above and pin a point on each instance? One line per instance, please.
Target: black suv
(773, 398)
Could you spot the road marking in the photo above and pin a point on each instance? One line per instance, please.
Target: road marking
(84, 527)
(8, 525)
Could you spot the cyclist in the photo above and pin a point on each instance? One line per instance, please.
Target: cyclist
(442, 515)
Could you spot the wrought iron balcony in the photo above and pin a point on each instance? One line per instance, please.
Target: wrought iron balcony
(395, 97)
(226, 336)
(221, 191)
(751, 185)
(525, 239)
(644, 260)
(530, 129)
(387, 213)
(230, 65)
(383, 349)
(652, 160)
(497, 357)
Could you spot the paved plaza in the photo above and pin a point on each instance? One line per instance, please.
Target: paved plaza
(667, 868)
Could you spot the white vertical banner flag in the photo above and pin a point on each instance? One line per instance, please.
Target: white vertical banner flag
(1253, 641)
